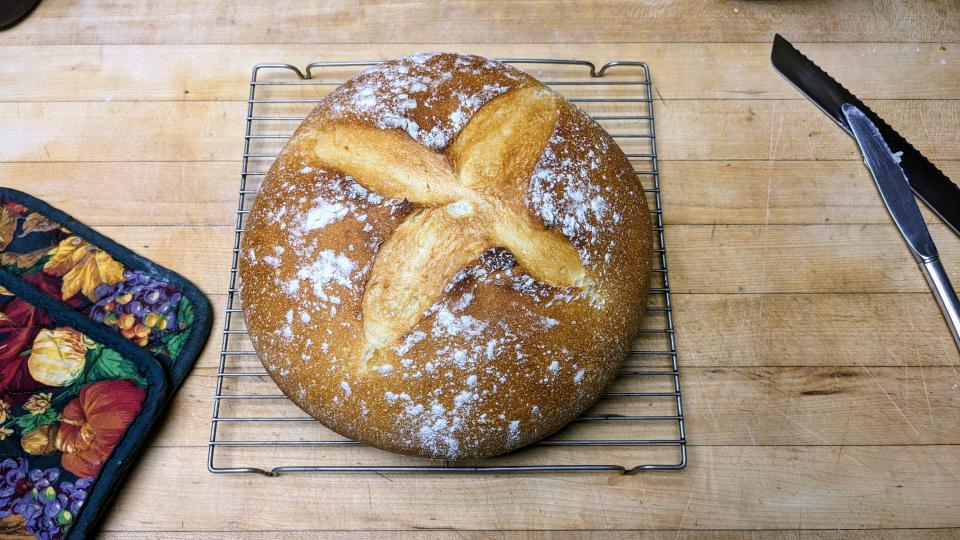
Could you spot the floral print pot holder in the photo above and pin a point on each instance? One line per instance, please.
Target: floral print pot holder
(94, 341)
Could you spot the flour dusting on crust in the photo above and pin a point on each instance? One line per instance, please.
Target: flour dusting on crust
(401, 94)
(569, 194)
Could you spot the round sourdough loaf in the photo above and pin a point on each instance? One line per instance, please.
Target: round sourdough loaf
(446, 260)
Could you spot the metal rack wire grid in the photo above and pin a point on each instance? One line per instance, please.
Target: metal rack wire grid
(638, 425)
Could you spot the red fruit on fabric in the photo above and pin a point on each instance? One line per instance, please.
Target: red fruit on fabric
(94, 422)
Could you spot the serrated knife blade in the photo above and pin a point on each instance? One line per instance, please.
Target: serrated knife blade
(932, 186)
(885, 167)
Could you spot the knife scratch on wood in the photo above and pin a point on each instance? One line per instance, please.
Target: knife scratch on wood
(771, 157)
(889, 397)
(916, 351)
(683, 515)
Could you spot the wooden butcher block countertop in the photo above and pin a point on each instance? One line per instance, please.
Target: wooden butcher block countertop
(820, 382)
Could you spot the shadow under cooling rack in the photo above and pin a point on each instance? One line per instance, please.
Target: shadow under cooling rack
(637, 425)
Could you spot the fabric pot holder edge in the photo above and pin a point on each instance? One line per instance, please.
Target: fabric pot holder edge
(157, 394)
(179, 365)
(166, 367)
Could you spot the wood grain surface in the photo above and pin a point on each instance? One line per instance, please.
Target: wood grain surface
(821, 386)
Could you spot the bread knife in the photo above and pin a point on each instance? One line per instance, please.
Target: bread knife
(932, 186)
(885, 166)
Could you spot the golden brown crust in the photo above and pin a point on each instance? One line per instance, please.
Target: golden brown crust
(361, 282)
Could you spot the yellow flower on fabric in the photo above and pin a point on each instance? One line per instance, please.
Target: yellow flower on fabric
(40, 441)
(8, 226)
(84, 267)
(22, 260)
(58, 356)
(39, 403)
(5, 432)
(36, 222)
(4, 411)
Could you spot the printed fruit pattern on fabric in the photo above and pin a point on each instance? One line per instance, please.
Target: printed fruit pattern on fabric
(65, 403)
(145, 310)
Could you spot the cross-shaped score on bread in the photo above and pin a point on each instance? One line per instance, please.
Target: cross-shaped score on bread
(471, 197)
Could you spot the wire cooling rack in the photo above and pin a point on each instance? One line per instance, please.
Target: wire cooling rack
(637, 425)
